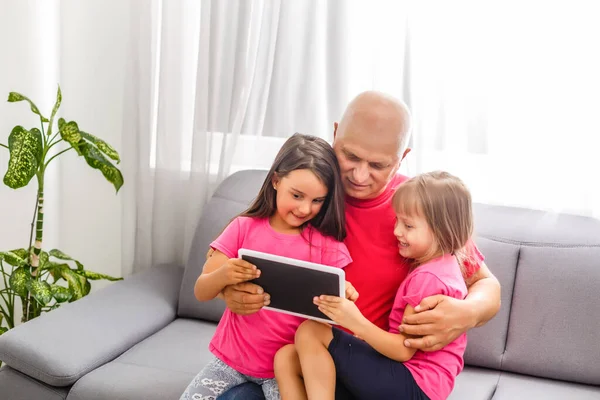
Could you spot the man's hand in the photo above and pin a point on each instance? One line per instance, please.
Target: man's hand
(351, 293)
(438, 320)
(245, 298)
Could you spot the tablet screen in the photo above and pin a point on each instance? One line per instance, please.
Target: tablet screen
(292, 287)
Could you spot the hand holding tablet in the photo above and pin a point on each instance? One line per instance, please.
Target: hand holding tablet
(292, 284)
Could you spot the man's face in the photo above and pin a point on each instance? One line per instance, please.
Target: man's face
(367, 166)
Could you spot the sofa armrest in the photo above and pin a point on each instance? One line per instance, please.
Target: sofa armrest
(60, 347)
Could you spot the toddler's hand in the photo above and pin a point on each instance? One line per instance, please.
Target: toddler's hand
(236, 270)
(351, 293)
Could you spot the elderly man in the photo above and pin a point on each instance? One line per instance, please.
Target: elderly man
(370, 143)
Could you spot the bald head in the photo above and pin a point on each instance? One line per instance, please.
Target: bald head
(383, 119)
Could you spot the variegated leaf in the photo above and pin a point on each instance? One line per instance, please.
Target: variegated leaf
(18, 281)
(23, 253)
(74, 283)
(40, 290)
(62, 256)
(69, 131)
(55, 269)
(87, 288)
(13, 97)
(25, 155)
(43, 259)
(61, 293)
(102, 146)
(94, 276)
(96, 160)
(13, 259)
(54, 110)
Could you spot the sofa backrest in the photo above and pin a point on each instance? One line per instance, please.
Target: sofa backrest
(549, 268)
(548, 265)
(232, 197)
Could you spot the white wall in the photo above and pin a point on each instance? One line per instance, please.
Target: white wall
(82, 46)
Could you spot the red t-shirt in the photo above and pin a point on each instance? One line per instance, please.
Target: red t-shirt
(378, 269)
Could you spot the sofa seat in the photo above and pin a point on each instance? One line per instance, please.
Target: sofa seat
(517, 386)
(158, 368)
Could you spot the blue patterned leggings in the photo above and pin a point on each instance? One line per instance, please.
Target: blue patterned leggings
(217, 378)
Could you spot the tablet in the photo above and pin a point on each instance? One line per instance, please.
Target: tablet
(292, 284)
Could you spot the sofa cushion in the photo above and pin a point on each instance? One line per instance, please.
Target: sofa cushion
(475, 384)
(513, 386)
(231, 198)
(554, 320)
(157, 368)
(17, 386)
(486, 344)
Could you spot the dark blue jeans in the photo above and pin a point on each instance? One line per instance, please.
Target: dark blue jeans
(245, 391)
(251, 391)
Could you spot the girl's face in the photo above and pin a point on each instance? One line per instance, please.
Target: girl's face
(415, 238)
(300, 196)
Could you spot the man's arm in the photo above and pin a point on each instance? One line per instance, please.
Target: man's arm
(439, 320)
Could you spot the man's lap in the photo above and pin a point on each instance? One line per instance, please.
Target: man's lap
(245, 391)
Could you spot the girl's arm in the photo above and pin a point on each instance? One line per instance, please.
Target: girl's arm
(220, 271)
(345, 313)
(389, 344)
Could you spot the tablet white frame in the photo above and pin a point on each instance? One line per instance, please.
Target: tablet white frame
(302, 264)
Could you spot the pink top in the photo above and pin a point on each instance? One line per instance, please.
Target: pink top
(435, 371)
(249, 343)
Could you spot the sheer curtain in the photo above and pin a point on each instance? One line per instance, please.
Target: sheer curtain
(505, 94)
(214, 87)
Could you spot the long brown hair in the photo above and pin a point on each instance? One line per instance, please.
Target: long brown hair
(315, 154)
(445, 203)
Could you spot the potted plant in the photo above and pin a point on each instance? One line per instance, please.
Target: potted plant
(43, 280)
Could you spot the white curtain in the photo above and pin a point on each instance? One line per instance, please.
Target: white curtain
(215, 87)
(503, 95)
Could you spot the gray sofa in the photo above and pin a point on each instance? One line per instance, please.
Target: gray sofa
(146, 337)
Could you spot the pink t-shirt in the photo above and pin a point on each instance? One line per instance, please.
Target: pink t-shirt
(435, 371)
(248, 343)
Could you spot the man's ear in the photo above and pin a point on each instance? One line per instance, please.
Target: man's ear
(335, 125)
(405, 153)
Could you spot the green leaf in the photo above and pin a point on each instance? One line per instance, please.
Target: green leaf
(62, 256)
(61, 293)
(87, 287)
(13, 97)
(18, 281)
(55, 269)
(54, 110)
(102, 146)
(13, 259)
(94, 276)
(69, 131)
(40, 290)
(3, 330)
(96, 160)
(23, 253)
(43, 259)
(25, 156)
(74, 283)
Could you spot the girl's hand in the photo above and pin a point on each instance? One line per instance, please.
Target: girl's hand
(341, 311)
(351, 293)
(236, 270)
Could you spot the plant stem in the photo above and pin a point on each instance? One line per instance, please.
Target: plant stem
(43, 134)
(31, 310)
(52, 144)
(56, 155)
(3, 145)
